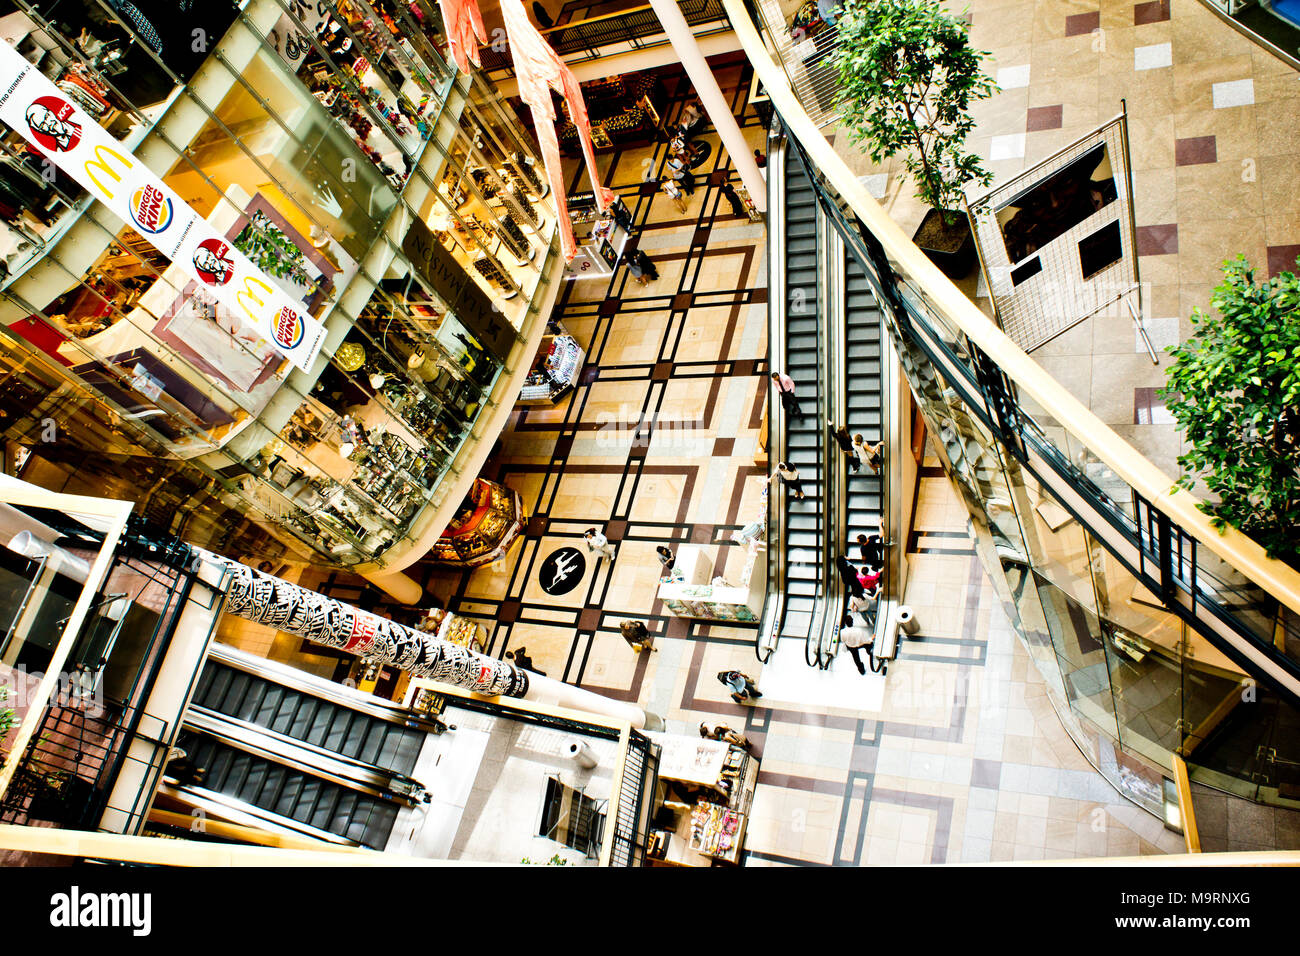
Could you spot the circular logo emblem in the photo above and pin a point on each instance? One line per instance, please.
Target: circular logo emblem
(212, 260)
(47, 118)
(289, 328)
(151, 210)
(562, 571)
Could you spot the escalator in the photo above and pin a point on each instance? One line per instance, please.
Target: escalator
(250, 786)
(862, 411)
(270, 746)
(286, 703)
(804, 520)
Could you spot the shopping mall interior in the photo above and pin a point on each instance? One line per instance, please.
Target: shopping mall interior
(615, 477)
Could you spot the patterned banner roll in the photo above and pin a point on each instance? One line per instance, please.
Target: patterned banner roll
(72, 140)
(276, 603)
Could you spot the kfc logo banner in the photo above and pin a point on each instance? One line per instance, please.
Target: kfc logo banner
(83, 149)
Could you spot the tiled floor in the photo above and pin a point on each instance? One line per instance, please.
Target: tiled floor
(1214, 123)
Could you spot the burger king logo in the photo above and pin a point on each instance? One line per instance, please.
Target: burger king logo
(48, 119)
(151, 210)
(289, 328)
(212, 261)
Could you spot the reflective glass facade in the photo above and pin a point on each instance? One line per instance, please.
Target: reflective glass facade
(332, 145)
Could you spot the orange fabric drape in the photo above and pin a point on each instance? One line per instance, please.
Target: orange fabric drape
(465, 31)
(539, 70)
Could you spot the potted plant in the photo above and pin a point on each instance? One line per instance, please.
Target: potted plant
(908, 77)
(1234, 390)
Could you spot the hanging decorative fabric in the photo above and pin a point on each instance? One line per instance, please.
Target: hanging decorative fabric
(539, 70)
(465, 31)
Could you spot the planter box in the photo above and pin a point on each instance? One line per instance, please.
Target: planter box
(951, 248)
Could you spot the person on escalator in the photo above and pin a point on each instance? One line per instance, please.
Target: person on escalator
(841, 435)
(869, 455)
(791, 477)
(849, 576)
(872, 550)
(869, 578)
(855, 637)
(785, 388)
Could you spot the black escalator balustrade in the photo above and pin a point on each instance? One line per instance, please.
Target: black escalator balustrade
(804, 435)
(262, 787)
(277, 745)
(301, 714)
(862, 401)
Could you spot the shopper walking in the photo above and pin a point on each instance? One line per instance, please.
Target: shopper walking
(737, 206)
(666, 559)
(673, 192)
(521, 659)
(742, 686)
(849, 576)
(637, 636)
(855, 638)
(791, 477)
(841, 435)
(785, 388)
(597, 542)
(724, 733)
(636, 271)
(760, 159)
(647, 264)
(869, 455)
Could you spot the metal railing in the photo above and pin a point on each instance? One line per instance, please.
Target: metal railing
(806, 46)
(636, 786)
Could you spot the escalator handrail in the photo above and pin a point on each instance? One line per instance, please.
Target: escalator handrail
(338, 694)
(368, 779)
(774, 606)
(224, 805)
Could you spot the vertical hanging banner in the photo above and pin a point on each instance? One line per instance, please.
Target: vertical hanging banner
(76, 144)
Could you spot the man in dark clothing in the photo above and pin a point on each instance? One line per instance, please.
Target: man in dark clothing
(849, 575)
(845, 441)
(872, 550)
(521, 659)
(737, 207)
(647, 264)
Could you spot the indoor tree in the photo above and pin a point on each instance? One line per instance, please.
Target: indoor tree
(1234, 390)
(908, 77)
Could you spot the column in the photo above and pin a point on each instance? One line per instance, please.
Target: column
(265, 599)
(715, 104)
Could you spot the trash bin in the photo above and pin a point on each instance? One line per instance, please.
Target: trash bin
(582, 754)
(907, 621)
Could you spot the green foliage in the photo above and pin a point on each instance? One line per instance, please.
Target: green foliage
(908, 77)
(555, 860)
(268, 248)
(7, 718)
(1234, 389)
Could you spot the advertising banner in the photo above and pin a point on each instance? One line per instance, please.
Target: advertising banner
(76, 144)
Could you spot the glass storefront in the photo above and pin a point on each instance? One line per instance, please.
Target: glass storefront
(333, 146)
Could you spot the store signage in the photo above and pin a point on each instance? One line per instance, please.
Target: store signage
(445, 276)
(562, 571)
(83, 149)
